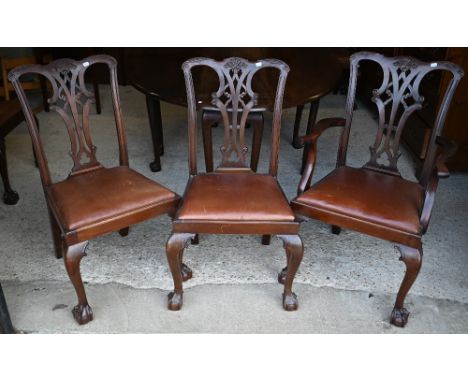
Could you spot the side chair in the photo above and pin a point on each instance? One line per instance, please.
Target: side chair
(233, 199)
(375, 199)
(93, 200)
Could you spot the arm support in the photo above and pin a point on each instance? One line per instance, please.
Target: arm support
(311, 140)
(439, 170)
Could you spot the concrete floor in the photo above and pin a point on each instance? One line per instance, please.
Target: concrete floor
(346, 283)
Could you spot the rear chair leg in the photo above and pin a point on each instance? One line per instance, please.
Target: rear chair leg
(294, 252)
(124, 231)
(175, 246)
(412, 257)
(335, 230)
(195, 240)
(266, 239)
(73, 255)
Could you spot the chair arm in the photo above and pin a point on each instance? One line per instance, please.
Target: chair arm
(311, 140)
(440, 170)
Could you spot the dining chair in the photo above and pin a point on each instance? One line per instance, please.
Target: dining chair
(375, 199)
(93, 200)
(233, 199)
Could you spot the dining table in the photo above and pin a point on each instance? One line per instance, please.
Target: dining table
(157, 73)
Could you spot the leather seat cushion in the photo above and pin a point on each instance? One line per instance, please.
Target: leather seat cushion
(367, 195)
(102, 194)
(235, 197)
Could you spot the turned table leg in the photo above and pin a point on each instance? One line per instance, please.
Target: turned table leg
(310, 124)
(154, 113)
(297, 126)
(9, 195)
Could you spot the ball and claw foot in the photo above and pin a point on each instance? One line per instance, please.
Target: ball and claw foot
(82, 314)
(290, 302)
(282, 275)
(186, 272)
(10, 197)
(399, 317)
(155, 167)
(174, 301)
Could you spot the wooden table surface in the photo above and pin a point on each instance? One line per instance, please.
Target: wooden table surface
(157, 72)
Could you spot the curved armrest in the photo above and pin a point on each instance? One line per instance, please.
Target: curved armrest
(440, 170)
(311, 140)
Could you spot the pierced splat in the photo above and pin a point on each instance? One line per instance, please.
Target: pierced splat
(72, 101)
(234, 99)
(396, 99)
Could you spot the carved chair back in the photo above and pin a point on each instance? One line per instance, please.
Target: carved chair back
(397, 98)
(234, 99)
(72, 101)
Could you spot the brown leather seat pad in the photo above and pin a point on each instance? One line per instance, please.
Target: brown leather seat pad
(369, 196)
(98, 195)
(235, 197)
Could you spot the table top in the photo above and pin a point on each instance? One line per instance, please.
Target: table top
(314, 72)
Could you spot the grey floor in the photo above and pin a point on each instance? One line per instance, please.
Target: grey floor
(346, 283)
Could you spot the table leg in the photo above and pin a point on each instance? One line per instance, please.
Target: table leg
(209, 119)
(97, 97)
(257, 121)
(9, 195)
(297, 126)
(154, 113)
(6, 326)
(44, 92)
(310, 125)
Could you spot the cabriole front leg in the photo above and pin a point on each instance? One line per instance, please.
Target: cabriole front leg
(294, 252)
(412, 257)
(175, 246)
(73, 255)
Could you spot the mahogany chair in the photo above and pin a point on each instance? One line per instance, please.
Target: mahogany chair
(375, 199)
(233, 199)
(93, 200)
